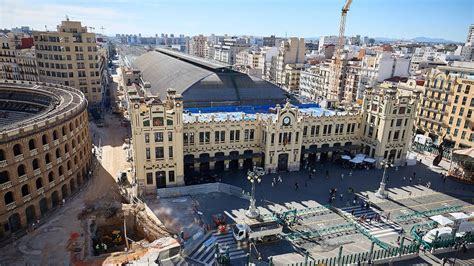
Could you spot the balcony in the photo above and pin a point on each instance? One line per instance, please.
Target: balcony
(40, 191)
(45, 147)
(61, 178)
(6, 185)
(69, 172)
(64, 137)
(22, 178)
(56, 142)
(49, 165)
(11, 206)
(33, 152)
(3, 163)
(73, 150)
(67, 155)
(59, 160)
(37, 172)
(52, 184)
(19, 158)
(26, 198)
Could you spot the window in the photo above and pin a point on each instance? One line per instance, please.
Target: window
(325, 130)
(147, 153)
(158, 136)
(237, 135)
(170, 136)
(201, 138)
(217, 137)
(458, 122)
(159, 153)
(464, 100)
(313, 130)
(169, 122)
(149, 178)
(32, 144)
(468, 89)
(329, 129)
(396, 135)
(222, 136)
(170, 152)
(272, 139)
(252, 134)
(17, 150)
(463, 134)
(305, 131)
(146, 123)
(399, 122)
(39, 183)
(246, 134)
(157, 121)
(171, 176)
(147, 138)
(461, 111)
(35, 164)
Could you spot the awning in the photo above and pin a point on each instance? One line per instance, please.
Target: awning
(345, 157)
(360, 155)
(356, 160)
(459, 215)
(369, 160)
(441, 220)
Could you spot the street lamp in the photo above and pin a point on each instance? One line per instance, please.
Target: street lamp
(254, 176)
(381, 193)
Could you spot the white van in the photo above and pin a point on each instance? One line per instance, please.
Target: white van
(444, 233)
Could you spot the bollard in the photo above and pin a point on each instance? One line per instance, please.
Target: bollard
(339, 256)
(401, 246)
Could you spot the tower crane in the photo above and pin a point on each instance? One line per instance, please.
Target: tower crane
(334, 83)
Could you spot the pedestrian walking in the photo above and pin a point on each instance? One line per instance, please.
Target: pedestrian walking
(409, 194)
(279, 179)
(350, 173)
(342, 176)
(388, 216)
(404, 178)
(411, 179)
(352, 212)
(296, 186)
(274, 181)
(341, 196)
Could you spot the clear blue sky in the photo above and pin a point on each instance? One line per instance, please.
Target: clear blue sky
(447, 19)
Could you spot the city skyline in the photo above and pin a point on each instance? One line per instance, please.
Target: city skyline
(419, 19)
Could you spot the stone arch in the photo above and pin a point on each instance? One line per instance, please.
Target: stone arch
(55, 134)
(64, 191)
(43, 204)
(9, 197)
(39, 182)
(4, 177)
(55, 199)
(32, 144)
(21, 170)
(2, 155)
(25, 190)
(35, 164)
(17, 149)
(30, 213)
(45, 139)
(14, 222)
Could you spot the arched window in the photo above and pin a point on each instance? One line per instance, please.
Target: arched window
(77, 123)
(75, 160)
(71, 127)
(66, 148)
(47, 158)
(8, 198)
(73, 143)
(17, 150)
(25, 190)
(63, 129)
(58, 153)
(32, 144)
(21, 170)
(35, 164)
(2, 155)
(39, 183)
(51, 176)
(45, 139)
(4, 177)
(68, 165)
(61, 170)
(55, 135)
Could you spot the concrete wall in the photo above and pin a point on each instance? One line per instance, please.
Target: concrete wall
(200, 189)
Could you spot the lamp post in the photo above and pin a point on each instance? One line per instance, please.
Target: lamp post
(381, 193)
(254, 176)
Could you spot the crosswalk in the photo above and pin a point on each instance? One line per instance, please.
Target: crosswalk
(379, 229)
(205, 253)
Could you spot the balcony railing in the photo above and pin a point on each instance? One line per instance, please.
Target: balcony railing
(45, 147)
(22, 178)
(49, 165)
(59, 160)
(61, 178)
(26, 198)
(40, 190)
(52, 184)
(6, 185)
(33, 152)
(3, 163)
(19, 158)
(56, 142)
(11, 206)
(37, 172)
(66, 155)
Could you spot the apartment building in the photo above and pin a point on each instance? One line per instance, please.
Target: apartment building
(227, 50)
(17, 57)
(291, 51)
(70, 56)
(447, 105)
(198, 46)
(314, 82)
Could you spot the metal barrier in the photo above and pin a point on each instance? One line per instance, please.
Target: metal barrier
(293, 215)
(438, 243)
(364, 256)
(417, 214)
(337, 229)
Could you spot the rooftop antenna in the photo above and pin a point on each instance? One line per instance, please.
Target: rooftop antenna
(45, 27)
(67, 18)
(91, 28)
(102, 28)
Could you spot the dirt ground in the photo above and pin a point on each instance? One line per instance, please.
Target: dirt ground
(61, 240)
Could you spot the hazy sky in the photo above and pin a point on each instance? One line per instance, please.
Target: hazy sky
(447, 19)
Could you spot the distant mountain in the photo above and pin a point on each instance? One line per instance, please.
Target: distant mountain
(432, 40)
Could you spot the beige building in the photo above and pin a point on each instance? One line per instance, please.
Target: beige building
(291, 51)
(45, 149)
(447, 106)
(17, 57)
(198, 46)
(69, 56)
(180, 137)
